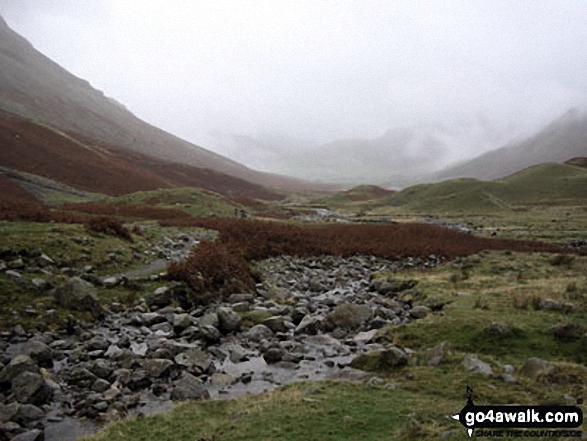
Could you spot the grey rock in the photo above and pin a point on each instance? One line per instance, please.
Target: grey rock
(97, 343)
(222, 380)
(276, 323)
(435, 355)
(310, 325)
(259, 333)
(40, 284)
(110, 282)
(241, 307)
(161, 297)
(77, 294)
(152, 318)
(31, 388)
(45, 260)
(18, 365)
(419, 312)
(210, 334)
(189, 388)
(81, 377)
(365, 337)
(500, 329)
(8, 412)
(100, 385)
(230, 321)
(14, 275)
(39, 352)
(15, 264)
(393, 357)
(195, 358)
(101, 368)
(182, 321)
(273, 355)
(210, 320)
(32, 435)
(349, 316)
(550, 304)
(158, 367)
(164, 327)
(471, 363)
(28, 413)
(139, 349)
(238, 298)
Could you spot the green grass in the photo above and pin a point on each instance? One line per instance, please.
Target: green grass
(194, 201)
(546, 184)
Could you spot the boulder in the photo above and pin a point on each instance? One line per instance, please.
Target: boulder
(18, 365)
(349, 316)
(189, 387)
(419, 312)
(158, 367)
(229, 320)
(534, 367)
(275, 323)
(31, 388)
(77, 294)
(161, 297)
(39, 352)
(31, 435)
(471, 363)
(195, 358)
(259, 333)
(310, 325)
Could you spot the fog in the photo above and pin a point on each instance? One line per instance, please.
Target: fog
(300, 87)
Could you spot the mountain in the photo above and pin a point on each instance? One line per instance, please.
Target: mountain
(563, 139)
(40, 149)
(34, 87)
(542, 184)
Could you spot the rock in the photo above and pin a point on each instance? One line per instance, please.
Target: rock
(182, 321)
(273, 355)
(80, 377)
(393, 357)
(189, 388)
(238, 298)
(310, 325)
(101, 368)
(222, 380)
(100, 385)
(14, 275)
(152, 318)
(15, 264)
(8, 412)
(275, 323)
(259, 333)
(97, 343)
(139, 349)
(18, 365)
(158, 367)
(380, 360)
(210, 320)
(550, 304)
(28, 413)
(110, 282)
(195, 358)
(161, 297)
(419, 312)
(471, 363)
(138, 379)
(349, 316)
(77, 294)
(365, 337)
(500, 329)
(32, 435)
(434, 356)
(31, 388)
(230, 321)
(39, 352)
(241, 307)
(210, 334)
(534, 367)
(40, 284)
(164, 327)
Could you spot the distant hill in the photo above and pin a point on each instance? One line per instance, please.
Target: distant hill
(563, 139)
(361, 193)
(33, 86)
(540, 184)
(42, 150)
(577, 162)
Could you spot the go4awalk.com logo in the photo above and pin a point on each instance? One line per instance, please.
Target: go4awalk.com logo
(520, 421)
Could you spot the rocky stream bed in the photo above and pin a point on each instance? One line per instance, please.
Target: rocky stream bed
(307, 321)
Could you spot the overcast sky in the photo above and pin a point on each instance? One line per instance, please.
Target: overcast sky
(316, 71)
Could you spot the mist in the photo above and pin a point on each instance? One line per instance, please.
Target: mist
(338, 91)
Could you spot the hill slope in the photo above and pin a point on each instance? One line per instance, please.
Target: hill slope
(42, 150)
(541, 184)
(563, 139)
(33, 86)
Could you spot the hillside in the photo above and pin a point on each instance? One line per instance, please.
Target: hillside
(541, 184)
(563, 139)
(42, 150)
(577, 162)
(33, 86)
